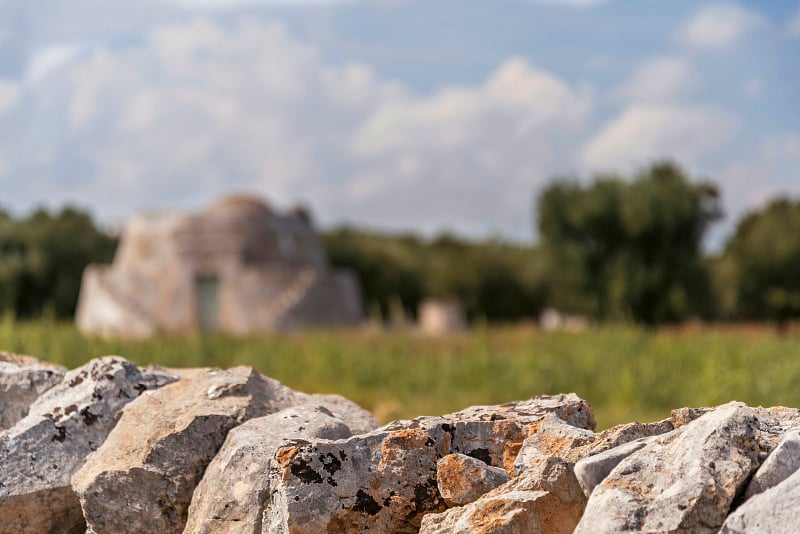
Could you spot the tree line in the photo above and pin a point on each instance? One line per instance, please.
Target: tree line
(617, 248)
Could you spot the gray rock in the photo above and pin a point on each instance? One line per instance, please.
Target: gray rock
(22, 380)
(781, 463)
(776, 511)
(142, 478)
(462, 479)
(40, 453)
(625, 433)
(231, 496)
(359, 420)
(684, 481)
(385, 481)
(592, 470)
(552, 437)
(513, 512)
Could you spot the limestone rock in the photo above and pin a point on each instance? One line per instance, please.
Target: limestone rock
(357, 419)
(40, 453)
(625, 433)
(22, 380)
(684, 481)
(385, 481)
(552, 437)
(684, 416)
(142, 478)
(592, 470)
(462, 479)
(515, 512)
(776, 511)
(781, 463)
(232, 494)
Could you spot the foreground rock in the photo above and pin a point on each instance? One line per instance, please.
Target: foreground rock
(386, 481)
(462, 479)
(143, 476)
(781, 463)
(545, 495)
(234, 490)
(777, 511)
(357, 419)
(40, 453)
(684, 481)
(209, 451)
(22, 380)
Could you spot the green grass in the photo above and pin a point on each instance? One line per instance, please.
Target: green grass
(625, 373)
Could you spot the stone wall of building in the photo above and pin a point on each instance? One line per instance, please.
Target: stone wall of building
(237, 267)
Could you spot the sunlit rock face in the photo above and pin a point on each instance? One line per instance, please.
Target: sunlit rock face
(114, 448)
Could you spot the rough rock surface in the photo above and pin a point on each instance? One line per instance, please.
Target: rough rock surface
(684, 481)
(234, 489)
(592, 470)
(143, 476)
(40, 453)
(462, 479)
(22, 380)
(781, 463)
(357, 419)
(236, 452)
(513, 512)
(385, 481)
(776, 511)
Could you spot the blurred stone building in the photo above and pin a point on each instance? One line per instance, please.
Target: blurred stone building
(238, 267)
(441, 316)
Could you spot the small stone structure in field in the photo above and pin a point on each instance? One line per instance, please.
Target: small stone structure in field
(440, 316)
(237, 266)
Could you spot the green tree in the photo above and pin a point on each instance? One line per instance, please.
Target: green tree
(630, 249)
(42, 258)
(764, 253)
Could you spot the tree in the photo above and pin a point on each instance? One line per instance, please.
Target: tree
(630, 249)
(765, 256)
(42, 258)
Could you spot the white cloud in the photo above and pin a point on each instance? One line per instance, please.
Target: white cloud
(793, 26)
(645, 132)
(717, 27)
(50, 58)
(9, 95)
(658, 79)
(198, 109)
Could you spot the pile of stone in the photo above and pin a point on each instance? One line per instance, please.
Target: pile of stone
(114, 448)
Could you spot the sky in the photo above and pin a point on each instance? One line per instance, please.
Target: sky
(400, 115)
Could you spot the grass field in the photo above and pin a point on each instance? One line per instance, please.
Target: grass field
(625, 373)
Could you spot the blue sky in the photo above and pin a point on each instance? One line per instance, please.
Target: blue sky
(397, 114)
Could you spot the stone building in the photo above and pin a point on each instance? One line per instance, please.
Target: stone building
(440, 316)
(237, 266)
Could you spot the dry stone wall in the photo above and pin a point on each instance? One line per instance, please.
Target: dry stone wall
(112, 448)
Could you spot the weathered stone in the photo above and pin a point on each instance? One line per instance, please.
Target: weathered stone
(592, 470)
(231, 496)
(40, 453)
(625, 433)
(385, 481)
(684, 416)
(514, 512)
(684, 481)
(357, 419)
(552, 437)
(462, 479)
(22, 380)
(781, 463)
(776, 511)
(142, 478)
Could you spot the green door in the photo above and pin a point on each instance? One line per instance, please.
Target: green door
(207, 294)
